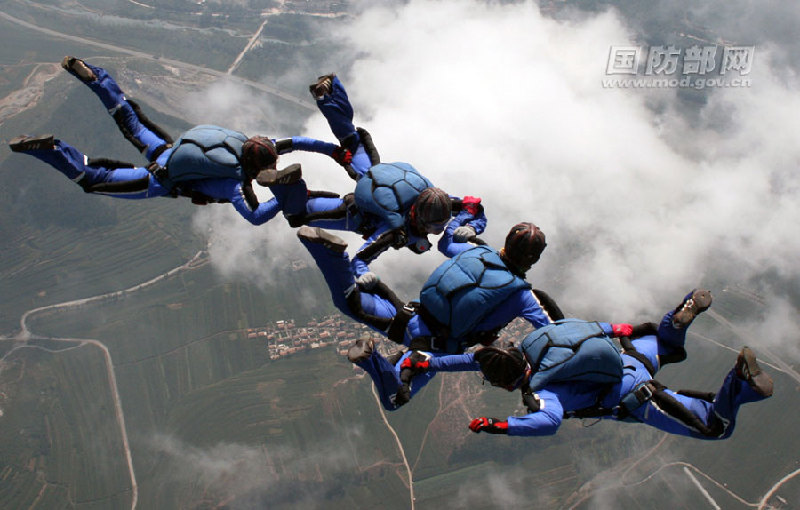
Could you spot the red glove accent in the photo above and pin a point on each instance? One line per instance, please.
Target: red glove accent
(342, 156)
(490, 425)
(471, 204)
(622, 329)
(414, 365)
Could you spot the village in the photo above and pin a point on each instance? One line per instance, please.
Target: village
(284, 337)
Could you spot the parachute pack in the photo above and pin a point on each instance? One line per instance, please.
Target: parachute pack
(388, 190)
(574, 350)
(467, 288)
(206, 152)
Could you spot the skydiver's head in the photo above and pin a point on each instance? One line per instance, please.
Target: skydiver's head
(505, 368)
(431, 211)
(258, 153)
(524, 245)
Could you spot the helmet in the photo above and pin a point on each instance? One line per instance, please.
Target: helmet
(258, 153)
(524, 245)
(433, 209)
(502, 367)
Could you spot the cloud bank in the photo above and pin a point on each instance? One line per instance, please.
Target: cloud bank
(641, 198)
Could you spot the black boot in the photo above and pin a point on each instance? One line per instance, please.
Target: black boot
(32, 143)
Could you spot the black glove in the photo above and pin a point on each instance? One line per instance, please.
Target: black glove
(342, 156)
(403, 395)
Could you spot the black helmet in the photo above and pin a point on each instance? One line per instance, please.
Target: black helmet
(501, 367)
(433, 207)
(524, 245)
(258, 153)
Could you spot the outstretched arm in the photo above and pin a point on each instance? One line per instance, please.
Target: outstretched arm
(544, 422)
(305, 144)
(531, 310)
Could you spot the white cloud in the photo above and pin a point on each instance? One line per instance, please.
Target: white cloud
(639, 204)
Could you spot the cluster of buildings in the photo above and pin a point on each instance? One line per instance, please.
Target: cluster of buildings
(284, 337)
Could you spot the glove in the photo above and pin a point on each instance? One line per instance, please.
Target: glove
(490, 425)
(402, 396)
(342, 156)
(368, 280)
(463, 233)
(417, 362)
(399, 238)
(621, 330)
(471, 204)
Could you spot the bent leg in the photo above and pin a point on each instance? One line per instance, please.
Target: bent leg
(291, 198)
(338, 112)
(719, 415)
(135, 129)
(673, 326)
(732, 394)
(335, 267)
(332, 214)
(385, 376)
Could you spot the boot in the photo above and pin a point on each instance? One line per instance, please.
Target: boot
(320, 236)
(697, 303)
(322, 87)
(78, 68)
(32, 143)
(289, 175)
(361, 350)
(747, 369)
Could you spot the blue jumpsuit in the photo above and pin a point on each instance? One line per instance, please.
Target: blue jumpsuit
(557, 398)
(338, 112)
(138, 182)
(339, 276)
(386, 376)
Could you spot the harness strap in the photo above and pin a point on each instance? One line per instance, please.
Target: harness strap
(249, 195)
(322, 194)
(629, 349)
(160, 150)
(428, 344)
(397, 328)
(437, 328)
(380, 245)
(158, 171)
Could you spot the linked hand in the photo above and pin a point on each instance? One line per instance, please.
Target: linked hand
(489, 425)
(417, 362)
(471, 204)
(342, 156)
(621, 330)
(463, 233)
(367, 280)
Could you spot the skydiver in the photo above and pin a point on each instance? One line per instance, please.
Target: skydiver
(637, 397)
(207, 163)
(380, 309)
(393, 205)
